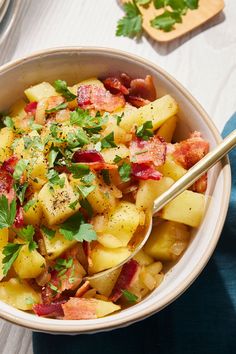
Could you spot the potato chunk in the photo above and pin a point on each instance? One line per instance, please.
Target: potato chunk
(167, 129)
(157, 112)
(19, 294)
(104, 258)
(34, 214)
(3, 243)
(57, 245)
(29, 264)
(123, 222)
(109, 154)
(149, 190)
(167, 241)
(17, 110)
(104, 284)
(6, 139)
(40, 91)
(172, 169)
(188, 208)
(55, 201)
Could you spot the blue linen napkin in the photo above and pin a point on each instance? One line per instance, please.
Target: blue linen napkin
(201, 321)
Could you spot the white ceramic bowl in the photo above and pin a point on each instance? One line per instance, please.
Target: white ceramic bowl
(75, 64)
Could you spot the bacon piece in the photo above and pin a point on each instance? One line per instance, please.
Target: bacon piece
(31, 108)
(200, 186)
(87, 251)
(79, 309)
(98, 98)
(126, 278)
(19, 220)
(92, 158)
(83, 289)
(143, 88)
(6, 185)
(59, 283)
(137, 101)
(151, 151)
(10, 164)
(114, 85)
(144, 172)
(125, 80)
(49, 310)
(188, 152)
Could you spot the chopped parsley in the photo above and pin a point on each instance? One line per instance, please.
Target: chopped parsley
(20, 190)
(27, 234)
(117, 159)
(11, 252)
(79, 170)
(129, 296)
(75, 228)
(50, 234)
(61, 87)
(125, 172)
(55, 179)
(20, 169)
(52, 156)
(85, 190)
(8, 121)
(29, 205)
(131, 24)
(57, 108)
(7, 212)
(108, 141)
(145, 131)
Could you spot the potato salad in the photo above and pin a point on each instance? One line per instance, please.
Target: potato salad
(80, 167)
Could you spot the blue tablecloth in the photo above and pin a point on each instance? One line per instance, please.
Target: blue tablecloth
(201, 321)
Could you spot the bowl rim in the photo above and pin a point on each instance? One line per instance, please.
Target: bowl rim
(64, 327)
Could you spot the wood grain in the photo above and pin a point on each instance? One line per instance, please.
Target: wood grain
(193, 19)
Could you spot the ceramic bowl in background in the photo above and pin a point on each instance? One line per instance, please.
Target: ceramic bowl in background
(73, 65)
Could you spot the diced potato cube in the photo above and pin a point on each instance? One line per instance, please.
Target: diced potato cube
(29, 264)
(17, 110)
(34, 214)
(167, 129)
(172, 169)
(109, 154)
(91, 81)
(105, 308)
(149, 190)
(188, 208)
(57, 245)
(104, 258)
(104, 284)
(6, 139)
(148, 279)
(19, 294)
(154, 268)
(157, 112)
(109, 241)
(123, 222)
(40, 91)
(3, 243)
(164, 238)
(55, 201)
(143, 259)
(100, 199)
(37, 170)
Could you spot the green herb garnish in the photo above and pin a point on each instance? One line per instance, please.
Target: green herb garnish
(11, 252)
(7, 212)
(108, 141)
(125, 172)
(129, 296)
(61, 87)
(145, 131)
(50, 234)
(57, 108)
(20, 169)
(75, 228)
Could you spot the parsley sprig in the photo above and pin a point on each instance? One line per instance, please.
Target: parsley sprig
(145, 131)
(173, 10)
(61, 87)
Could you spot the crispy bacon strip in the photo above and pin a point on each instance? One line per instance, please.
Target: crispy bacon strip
(151, 151)
(92, 158)
(143, 88)
(10, 164)
(98, 98)
(19, 220)
(49, 310)
(188, 152)
(83, 289)
(31, 108)
(125, 279)
(200, 186)
(114, 85)
(79, 309)
(144, 172)
(137, 101)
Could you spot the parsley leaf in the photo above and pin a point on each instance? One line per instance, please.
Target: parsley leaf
(79, 170)
(20, 191)
(75, 228)
(7, 212)
(125, 172)
(34, 126)
(88, 178)
(119, 118)
(192, 4)
(63, 264)
(86, 190)
(11, 252)
(73, 204)
(129, 296)
(108, 141)
(90, 124)
(131, 24)
(166, 20)
(29, 204)
(87, 206)
(158, 4)
(8, 122)
(57, 108)
(76, 139)
(117, 159)
(48, 232)
(27, 234)
(20, 169)
(52, 156)
(55, 179)
(143, 2)
(61, 87)
(144, 131)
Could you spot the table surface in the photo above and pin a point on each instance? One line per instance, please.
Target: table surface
(204, 61)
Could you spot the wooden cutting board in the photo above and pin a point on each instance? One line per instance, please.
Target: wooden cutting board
(194, 18)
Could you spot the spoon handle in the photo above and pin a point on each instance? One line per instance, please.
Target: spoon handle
(196, 171)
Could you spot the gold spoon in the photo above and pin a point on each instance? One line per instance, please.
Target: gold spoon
(178, 187)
